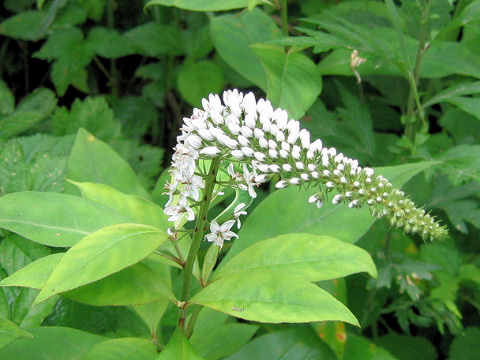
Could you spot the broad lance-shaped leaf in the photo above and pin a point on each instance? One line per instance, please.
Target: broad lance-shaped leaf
(9, 332)
(272, 297)
(293, 80)
(141, 283)
(123, 349)
(273, 217)
(100, 254)
(54, 219)
(178, 348)
(133, 207)
(52, 342)
(313, 257)
(94, 161)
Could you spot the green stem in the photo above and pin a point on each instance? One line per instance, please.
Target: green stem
(197, 237)
(114, 74)
(284, 12)
(413, 78)
(192, 321)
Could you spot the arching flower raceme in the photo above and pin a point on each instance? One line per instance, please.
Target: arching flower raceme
(263, 141)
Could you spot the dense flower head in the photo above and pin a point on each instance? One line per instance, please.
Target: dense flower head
(263, 141)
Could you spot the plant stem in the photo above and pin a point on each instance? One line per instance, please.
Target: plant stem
(114, 74)
(284, 12)
(193, 320)
(197, 237)
(413, 98)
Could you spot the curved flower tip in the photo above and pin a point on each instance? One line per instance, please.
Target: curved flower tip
(265, 142)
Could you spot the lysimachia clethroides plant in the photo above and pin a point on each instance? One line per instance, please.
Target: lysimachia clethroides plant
(115, 246)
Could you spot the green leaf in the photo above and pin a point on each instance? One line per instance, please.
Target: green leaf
(273, 216)
(295, 343)
(461, 163)
(92, 160)
(108, 43)
(152, 313)
(196, 80)
(360, 348)
(232, 36)
(54, 219)
(313, 257)
(272, 297)
(7, 101)
(293, 80)
(139, 284)
(31, 110)
(35, 274)
(135, 208)
(26, 25)
(408, 347)
(154, 39)
(178, 348)
(100, 254)
(9, 332)
(465, 346)
(123, 349)
(202, 5)
(86, 114)
(136, 115)
(223, 340)
(52, 342)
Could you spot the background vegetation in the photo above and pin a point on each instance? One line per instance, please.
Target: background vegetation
(387, 82)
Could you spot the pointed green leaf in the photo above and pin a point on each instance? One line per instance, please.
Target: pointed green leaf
(232, 36)
(293, 80)
(9, 332)
(135, 208)
(152, 313)
(123, 349)
(178, 348)
(313, 257)
(272, 297)
(52, 342)
(91, 160)
(100, 254)
(461, 163)
(54, 219)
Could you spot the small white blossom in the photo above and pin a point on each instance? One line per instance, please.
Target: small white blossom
(220, 233)
(237, 212)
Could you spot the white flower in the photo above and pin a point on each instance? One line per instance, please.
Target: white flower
(237, 212)
(250, 182)
(210, 151)
(191, 185)
(177, 211)
(315, 198)
(220, 233)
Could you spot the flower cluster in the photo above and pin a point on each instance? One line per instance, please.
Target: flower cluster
(263, 141)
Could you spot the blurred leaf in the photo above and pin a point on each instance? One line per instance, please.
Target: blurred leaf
(466, 345)
(136, 115)
(360, 348)
(9, 332)
(7, 101)
(196, 80)
(154, 39)
(232, 36)
(407, 347)
(108, 43)
(461, 164)
(107, 168)
(293, 80)
(52, 342)
(197, 42)
(123, 349)
(296, 343)
(26, 25)
(202, 5)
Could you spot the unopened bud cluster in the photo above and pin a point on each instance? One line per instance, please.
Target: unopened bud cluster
(263, 141)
